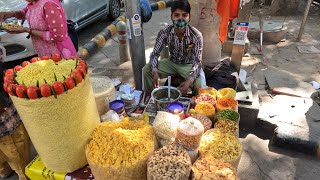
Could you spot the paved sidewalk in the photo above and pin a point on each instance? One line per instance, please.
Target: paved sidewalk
(106, 61)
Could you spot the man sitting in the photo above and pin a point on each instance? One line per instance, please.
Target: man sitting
(185, 46)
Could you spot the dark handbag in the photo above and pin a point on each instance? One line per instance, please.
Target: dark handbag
(4, 97)
(222, 75)
(72, 33)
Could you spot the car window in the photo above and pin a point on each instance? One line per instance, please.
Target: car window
(12, 5)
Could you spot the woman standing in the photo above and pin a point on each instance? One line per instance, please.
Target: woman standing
(47, 27)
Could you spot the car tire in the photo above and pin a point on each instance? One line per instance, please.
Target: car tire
(114, 9)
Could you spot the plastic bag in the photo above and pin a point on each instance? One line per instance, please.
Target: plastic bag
(221, 75)
(189, 133)
(165, 125)
(211, 168)
(206, 122)
(146, 12)
(169, 162)
(203, 79)
(110, 116)
(221, 146)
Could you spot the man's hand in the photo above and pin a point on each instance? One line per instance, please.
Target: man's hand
(185, 86)
(156, 79)
(18, 30)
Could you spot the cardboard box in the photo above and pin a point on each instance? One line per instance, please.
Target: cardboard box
(36, 170)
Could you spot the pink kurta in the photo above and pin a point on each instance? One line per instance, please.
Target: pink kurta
(49, 17)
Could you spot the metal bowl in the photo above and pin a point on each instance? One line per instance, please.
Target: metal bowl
(160, 96)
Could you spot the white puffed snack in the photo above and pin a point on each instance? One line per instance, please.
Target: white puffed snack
(165, 125)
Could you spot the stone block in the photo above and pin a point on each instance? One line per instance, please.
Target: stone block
(249, 112)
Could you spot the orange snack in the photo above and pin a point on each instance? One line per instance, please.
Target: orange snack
(226, 103)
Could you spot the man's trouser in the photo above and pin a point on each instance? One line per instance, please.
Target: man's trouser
(168, 68)
(15, 152)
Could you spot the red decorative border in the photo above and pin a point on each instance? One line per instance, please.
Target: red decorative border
(12, 87)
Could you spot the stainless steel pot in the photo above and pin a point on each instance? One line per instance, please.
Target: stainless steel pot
(160, 96)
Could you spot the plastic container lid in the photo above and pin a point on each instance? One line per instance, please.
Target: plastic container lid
(116, 105)
(175, 106)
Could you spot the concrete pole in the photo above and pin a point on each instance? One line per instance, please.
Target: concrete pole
(136, 40)
(122, 37)
(306, 12)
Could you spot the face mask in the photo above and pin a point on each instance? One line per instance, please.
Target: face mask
(180, 23)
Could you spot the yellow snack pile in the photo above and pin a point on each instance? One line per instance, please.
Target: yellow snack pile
(226, 93)
(205, 109)
(40, 70)
(10, 26)
(120, 150)
(220, 145)
(227, 126)
(211, 168)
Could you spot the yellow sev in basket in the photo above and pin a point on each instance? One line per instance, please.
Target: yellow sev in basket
(120, 150)
(58, 127)
(47, 70)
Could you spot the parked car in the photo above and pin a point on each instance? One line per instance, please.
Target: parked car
(81, 12)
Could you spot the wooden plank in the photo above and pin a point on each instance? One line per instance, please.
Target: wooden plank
(238, 50)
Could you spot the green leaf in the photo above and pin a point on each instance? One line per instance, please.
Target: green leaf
(76, 62)
(45, 81)
(53, 92)
(38, 83)
(65, 88)
(82, 74)
(25, 95)
(75, 79)
(55, 77)
(15, 81)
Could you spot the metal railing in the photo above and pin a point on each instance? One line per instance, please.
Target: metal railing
(100, 39)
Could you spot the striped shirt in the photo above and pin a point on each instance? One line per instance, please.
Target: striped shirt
(185, 51)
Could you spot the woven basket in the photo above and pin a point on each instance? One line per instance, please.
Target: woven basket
(104, 92)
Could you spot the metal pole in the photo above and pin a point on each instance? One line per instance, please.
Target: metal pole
(306, 12)
(122, 37)
(165, 51)
(136, 40)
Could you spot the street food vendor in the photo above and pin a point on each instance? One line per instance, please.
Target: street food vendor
(185, 46)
